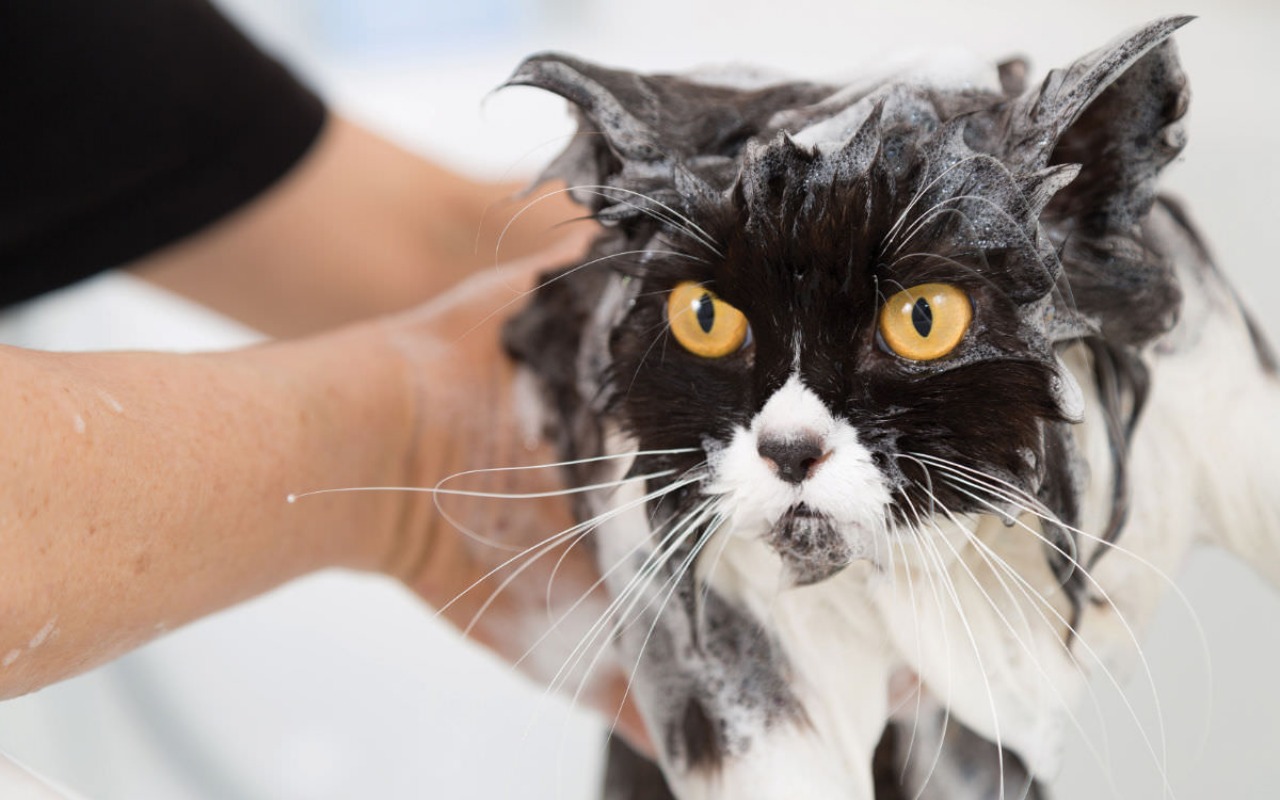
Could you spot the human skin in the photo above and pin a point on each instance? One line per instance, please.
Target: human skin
(146, 490)
(360, 227)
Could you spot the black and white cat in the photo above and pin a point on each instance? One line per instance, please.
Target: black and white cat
(919, 378)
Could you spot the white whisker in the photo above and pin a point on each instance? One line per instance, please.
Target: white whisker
(944, 577)
(562, 535)
(988, 554)
(1161, 759)
(575, 462)
(915, 619)
(693, 474)
(680, 532)
(657, 617)
(726, 537)
(997, 565)
(679, 221)
(946, 644)
(489, 495)
(1017, 497)
(591, 589)
(920, 193)
(550, 543)
(517, 296)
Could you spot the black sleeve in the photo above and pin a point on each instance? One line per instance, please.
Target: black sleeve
(128, 124)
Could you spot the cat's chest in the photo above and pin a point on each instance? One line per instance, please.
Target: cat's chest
(982, 638)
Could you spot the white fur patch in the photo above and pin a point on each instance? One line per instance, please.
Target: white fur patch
(847, 485)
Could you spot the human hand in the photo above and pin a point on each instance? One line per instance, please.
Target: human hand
(509, 572)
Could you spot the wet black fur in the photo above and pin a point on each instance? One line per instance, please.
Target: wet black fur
(808, 245)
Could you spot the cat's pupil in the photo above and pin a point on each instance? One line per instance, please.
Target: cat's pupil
(922, 317)
(706, 313)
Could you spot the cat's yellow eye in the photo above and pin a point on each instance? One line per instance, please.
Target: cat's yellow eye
(925, 322)
(704, 324)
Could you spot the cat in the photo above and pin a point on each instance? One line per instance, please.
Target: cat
(904, 391)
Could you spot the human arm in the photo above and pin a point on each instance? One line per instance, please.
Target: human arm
(118, 525)
(356, 226)
(359, 227)
(145, 490)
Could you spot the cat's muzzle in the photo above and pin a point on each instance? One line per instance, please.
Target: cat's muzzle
(810, 545)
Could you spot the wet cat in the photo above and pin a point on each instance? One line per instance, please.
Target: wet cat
(911, 378)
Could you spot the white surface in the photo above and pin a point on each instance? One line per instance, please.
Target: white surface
(21, 784)
(342, 687)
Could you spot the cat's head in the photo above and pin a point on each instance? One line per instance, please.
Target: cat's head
(846, 304)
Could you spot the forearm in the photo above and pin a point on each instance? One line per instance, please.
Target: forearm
(360, 227)
(143, 490)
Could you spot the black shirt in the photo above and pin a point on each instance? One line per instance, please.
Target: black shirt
(128, 124)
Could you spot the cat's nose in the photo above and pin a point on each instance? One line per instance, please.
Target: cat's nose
(792, 459)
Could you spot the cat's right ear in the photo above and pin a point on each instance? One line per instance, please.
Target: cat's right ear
(647, 133)
(610, 107)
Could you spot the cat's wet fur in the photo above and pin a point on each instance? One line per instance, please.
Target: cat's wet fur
(804, 206)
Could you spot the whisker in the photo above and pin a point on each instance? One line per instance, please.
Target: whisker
(915, 618)
(987, 553)
(652, 564)
(508, 175)
(942, 464)
(1017, 226)
(522, 294)
(922, 191)
(1162, 759)
(674, 581)
(293, 498)
(678, 220)
(673, 540)
(575, 462)
(1016, 497)
(591, 589)
(700, 612)
(593, 525)
(937, 595)
(657, 329)
(946, 644)
(695, 472)
(993, 560)
(966, 268)
(977, 653)
(550, 543)
(1033, 506)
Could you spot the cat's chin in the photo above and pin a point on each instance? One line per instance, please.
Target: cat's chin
(813, 547)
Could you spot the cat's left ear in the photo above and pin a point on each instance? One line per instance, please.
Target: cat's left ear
(1115, 112)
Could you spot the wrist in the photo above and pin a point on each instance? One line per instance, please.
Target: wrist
(353, 431)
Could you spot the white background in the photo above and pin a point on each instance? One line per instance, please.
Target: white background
(343, 687)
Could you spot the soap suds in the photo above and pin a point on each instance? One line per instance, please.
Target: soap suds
(42, 634)
(111, 401)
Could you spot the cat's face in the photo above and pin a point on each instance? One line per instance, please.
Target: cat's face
(832, 326)
(887, 265)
